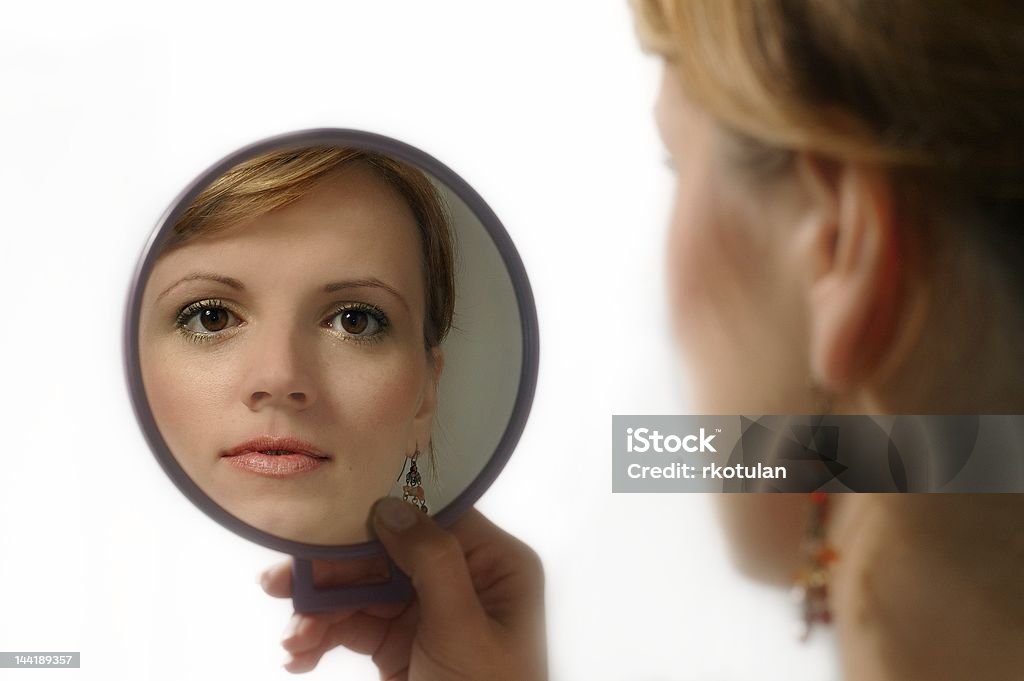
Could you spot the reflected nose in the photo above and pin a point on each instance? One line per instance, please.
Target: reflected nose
(278, 375)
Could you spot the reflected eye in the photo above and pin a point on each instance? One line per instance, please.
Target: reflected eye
(212, 319)
(359, 320)
(204, 319)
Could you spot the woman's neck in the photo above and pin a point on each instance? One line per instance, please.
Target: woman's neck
(927, 587)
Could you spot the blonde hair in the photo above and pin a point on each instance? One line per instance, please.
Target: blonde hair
(931, 91)
(935, 85)
(276, 179)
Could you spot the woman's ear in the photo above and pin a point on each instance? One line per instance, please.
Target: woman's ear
(857, 287)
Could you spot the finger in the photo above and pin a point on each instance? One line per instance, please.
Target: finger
(395, 652)
(305, 631)
(360, 633)
(277, 579)
(434, 560)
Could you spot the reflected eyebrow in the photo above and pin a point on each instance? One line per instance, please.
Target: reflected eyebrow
(371, 282)
(229, 281)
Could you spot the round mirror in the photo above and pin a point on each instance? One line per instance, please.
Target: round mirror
(322, 319)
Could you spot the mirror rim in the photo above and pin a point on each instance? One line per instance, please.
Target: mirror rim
(510, 256)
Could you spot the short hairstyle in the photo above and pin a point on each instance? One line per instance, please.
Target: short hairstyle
(273, 180)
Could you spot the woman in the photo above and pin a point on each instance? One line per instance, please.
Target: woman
(846, 237)
(290, 337)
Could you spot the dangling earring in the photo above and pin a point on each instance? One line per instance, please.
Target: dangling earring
(412, 491)
(812, 579)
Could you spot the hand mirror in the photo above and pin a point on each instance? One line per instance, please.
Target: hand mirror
(321, 319)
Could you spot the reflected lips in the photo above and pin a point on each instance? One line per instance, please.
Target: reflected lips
(276, 457)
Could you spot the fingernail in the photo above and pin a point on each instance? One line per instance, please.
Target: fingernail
(292, 627)
(299, 666)
(396, 515)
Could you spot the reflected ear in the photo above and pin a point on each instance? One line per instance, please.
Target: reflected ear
(423, 422)
(858, 282)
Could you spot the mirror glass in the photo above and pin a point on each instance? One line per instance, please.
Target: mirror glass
(324, 319)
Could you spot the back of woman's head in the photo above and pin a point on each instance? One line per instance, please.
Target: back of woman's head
(929, 97)
(932, 90)
(932, 93)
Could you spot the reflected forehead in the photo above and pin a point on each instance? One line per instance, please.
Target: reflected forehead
(355, 185)
(354, 199)
(352, 226)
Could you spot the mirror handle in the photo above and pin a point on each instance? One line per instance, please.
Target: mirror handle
(306, 597)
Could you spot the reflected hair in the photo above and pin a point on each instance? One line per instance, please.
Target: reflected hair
(273, 180)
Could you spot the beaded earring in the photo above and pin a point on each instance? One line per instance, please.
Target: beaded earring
(412, 491)
(812, 579)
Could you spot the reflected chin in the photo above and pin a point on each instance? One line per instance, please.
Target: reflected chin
(305, 523)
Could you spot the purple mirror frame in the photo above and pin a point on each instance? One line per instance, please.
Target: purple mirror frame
(306, 597)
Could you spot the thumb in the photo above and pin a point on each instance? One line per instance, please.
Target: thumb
(434, 560)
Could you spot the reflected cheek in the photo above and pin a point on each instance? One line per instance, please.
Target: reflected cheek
(380, 393)
(188, 399)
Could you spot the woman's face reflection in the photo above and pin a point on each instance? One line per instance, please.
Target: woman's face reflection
(304, 323)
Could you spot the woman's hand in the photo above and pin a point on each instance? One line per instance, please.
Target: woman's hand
(478, 613)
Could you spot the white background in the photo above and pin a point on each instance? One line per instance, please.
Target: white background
(108, 110)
